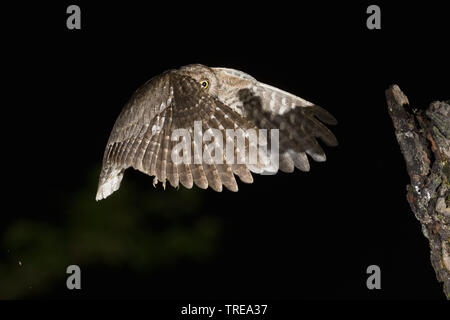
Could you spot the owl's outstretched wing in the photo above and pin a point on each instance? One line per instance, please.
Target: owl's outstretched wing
(141, 136)
(297, 119)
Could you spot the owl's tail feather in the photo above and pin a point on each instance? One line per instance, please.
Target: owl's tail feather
(109, 182)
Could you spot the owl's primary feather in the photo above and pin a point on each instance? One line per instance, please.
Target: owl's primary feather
(141, 136)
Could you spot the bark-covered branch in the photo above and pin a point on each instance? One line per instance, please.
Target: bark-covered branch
(424, 139)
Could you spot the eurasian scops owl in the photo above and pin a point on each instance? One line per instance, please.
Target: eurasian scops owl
(220, 98)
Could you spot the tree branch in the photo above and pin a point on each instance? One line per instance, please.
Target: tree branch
(424, 139)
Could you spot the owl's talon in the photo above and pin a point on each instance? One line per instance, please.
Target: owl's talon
(155, 181)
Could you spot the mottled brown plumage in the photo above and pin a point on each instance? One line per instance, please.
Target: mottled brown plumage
(141, 136)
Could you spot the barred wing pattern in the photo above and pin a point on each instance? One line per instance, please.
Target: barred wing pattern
(141, 136)
(297, 119)
(298, 127)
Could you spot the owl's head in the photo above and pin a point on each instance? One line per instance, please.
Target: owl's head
(205, 76)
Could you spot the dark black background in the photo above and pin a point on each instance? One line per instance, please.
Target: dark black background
(290, 236)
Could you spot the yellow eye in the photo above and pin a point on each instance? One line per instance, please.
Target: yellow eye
(204, 84)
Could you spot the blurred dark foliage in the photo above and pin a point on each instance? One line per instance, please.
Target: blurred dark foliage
(136, 229)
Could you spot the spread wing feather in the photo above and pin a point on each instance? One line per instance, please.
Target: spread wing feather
(297, 119)
(141, 136)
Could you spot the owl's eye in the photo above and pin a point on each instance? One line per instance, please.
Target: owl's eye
(204, 84)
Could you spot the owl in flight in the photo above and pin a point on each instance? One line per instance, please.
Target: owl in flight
(220, 98)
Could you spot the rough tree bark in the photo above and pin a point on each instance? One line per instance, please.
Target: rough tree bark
(424, 139)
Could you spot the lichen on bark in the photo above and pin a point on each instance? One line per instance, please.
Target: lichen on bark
(424, 140)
